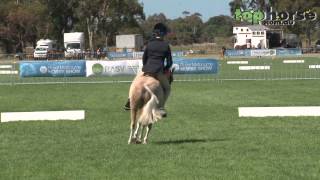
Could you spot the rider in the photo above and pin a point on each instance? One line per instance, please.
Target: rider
(154, 56)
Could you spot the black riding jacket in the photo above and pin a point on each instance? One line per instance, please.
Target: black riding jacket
(154, 56)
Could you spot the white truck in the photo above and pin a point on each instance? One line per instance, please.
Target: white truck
(74, 45)
(44, 47)
(129, 43)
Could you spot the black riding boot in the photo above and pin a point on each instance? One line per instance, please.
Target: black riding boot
(127, 106)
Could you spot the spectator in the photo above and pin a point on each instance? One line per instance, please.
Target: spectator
(98, 53)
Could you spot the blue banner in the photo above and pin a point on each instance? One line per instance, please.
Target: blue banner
(238, 52)
(264, 52)
(112, 55)
(289, 52)
(75, 68)
(196, 66)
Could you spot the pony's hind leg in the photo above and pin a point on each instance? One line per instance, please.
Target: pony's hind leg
(132, 126)
(149, 127)
(140, 133)
(137, 139)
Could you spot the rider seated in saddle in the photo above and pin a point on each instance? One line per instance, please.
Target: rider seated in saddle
(155, 54)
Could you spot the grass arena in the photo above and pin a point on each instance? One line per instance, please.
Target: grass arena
(203, 136)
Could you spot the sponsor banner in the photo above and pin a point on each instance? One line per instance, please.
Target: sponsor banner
(238, 52)
(196, 66)
(263, 52)
(178, 53)
(112, 55)
(132, 67)
(113, 68)
(139, 54)
(289, 52)
(53, 68)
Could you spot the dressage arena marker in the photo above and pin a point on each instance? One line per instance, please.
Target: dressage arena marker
(317, 66)
(293, 61)
(43, 116)
(8, 72)
(294, 111)
(5, 66)
(248, 68)
(5, 69)
(237, 62)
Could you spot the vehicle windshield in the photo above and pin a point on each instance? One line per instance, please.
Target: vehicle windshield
(318, 42)
(73, 46)
(41, 49)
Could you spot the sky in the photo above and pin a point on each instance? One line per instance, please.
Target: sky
(174, 8)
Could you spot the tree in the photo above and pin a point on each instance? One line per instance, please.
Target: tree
(198, 14)
(186, 30)
(237, 4)
(132, 17)
(19, 24)
(249, 4)
(60, 17)
(306, 28)
(196, 24)
(108, 16)
(185, 13)
(218, 26)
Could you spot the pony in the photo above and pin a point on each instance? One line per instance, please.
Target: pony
(146, 99)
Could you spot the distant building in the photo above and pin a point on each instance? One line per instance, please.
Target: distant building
(251, 37)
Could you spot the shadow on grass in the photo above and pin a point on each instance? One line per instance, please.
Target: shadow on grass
(189, 141)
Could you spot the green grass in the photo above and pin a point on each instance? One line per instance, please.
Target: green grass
(203, 137)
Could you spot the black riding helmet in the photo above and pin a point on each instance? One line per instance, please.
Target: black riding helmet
(160, 30)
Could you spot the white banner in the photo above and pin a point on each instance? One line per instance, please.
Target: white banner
(113, 68)
(263, 52)
(293, 61)
(248, 68)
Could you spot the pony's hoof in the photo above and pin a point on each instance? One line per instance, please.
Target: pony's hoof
(131, 141)
(138, 141)
(163, 113)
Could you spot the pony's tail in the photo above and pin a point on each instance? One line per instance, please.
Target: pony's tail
(147, 115)
(153, 96)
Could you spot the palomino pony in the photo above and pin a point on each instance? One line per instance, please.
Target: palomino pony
(146, 98)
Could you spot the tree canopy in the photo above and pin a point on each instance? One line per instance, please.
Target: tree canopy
(23, 22)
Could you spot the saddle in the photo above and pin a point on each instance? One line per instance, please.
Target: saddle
(150, 75)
